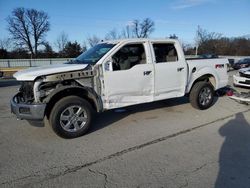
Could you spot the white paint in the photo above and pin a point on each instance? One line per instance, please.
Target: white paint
(32, 73)
(169, 82)
(207, 66)
(128, 87)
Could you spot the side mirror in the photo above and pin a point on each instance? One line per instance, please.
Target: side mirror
(108, 65)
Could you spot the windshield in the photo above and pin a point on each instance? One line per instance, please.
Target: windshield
(93, 55)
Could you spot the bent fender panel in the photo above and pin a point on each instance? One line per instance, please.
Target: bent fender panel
(75, 90)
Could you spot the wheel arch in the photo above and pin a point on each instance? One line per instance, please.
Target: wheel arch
(85, 93)
(209, 77)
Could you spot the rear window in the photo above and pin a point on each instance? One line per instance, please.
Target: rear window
(165, 52)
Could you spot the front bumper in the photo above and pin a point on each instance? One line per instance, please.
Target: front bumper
(27, 111)
(241, 81)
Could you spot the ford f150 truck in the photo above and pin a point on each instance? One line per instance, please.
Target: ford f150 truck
(114, 74)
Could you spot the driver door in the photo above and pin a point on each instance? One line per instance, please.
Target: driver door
(130, 78)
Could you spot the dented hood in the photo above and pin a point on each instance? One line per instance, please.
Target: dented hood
(31, 74)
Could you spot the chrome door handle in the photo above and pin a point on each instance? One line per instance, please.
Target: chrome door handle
(146, 73)
(180, 69)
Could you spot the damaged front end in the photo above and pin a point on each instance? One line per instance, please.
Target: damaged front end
(33, 96)
(22, 104)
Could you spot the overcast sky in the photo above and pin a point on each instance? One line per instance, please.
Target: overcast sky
(82, 18)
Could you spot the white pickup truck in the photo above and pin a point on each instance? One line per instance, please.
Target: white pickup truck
(115, 74)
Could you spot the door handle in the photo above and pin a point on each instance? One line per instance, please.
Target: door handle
(180, 69)
(146, 73)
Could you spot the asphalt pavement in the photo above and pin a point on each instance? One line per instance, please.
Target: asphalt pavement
(162, 144)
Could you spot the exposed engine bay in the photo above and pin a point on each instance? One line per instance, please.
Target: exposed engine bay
(36, 92)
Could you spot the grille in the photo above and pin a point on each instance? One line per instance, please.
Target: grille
(244, 75)
(26, 92)
(246, 82)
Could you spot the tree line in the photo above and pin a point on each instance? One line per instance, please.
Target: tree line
(215, 43)
(28, 29)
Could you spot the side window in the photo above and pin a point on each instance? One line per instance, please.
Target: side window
(129, 56)
(165, 53)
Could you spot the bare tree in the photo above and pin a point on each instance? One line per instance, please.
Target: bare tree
(47, 52)
(136, 28)
(143, 29)
(6, 44)
(84, 46)
(205, 38)
(93, 40)
(173, 36)
(127, 32)
(61, 41)
(113, 35)
(199, 38)
(72, 49)
(28, 28)
(187, 48)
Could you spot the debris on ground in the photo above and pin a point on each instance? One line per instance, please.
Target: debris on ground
(241, 97)
(223, 91)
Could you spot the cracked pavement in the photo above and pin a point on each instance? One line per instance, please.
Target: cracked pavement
(162, 144)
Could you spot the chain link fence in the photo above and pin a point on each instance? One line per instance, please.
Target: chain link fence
(12, 63)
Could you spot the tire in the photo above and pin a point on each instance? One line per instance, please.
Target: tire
(71, 117)
(202, 95)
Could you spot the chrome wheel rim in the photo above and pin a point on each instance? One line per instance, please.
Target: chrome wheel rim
(205, 96)
(73, 118)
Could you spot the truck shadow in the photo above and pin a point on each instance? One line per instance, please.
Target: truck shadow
(37, 123)
(234, 157)
(109, 117)
(7, 83)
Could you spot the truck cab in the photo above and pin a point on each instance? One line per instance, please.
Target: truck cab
(143, 71)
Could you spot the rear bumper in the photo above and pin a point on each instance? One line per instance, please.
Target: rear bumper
(241, 81)
(27, 111)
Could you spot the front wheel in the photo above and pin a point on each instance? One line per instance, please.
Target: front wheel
(202, 95)
(71, 117)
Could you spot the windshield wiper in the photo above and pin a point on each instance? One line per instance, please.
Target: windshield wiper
(74, 61)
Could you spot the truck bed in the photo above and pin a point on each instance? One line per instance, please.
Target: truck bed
(198, 67)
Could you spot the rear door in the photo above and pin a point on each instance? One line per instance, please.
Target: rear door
(170, 70)
(130, 79)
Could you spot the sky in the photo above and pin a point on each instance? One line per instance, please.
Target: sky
(82, 18)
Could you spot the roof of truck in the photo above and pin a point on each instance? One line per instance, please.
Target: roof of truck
(140, 40)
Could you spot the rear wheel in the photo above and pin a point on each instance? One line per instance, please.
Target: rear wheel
(202, 95)
(71, 117)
